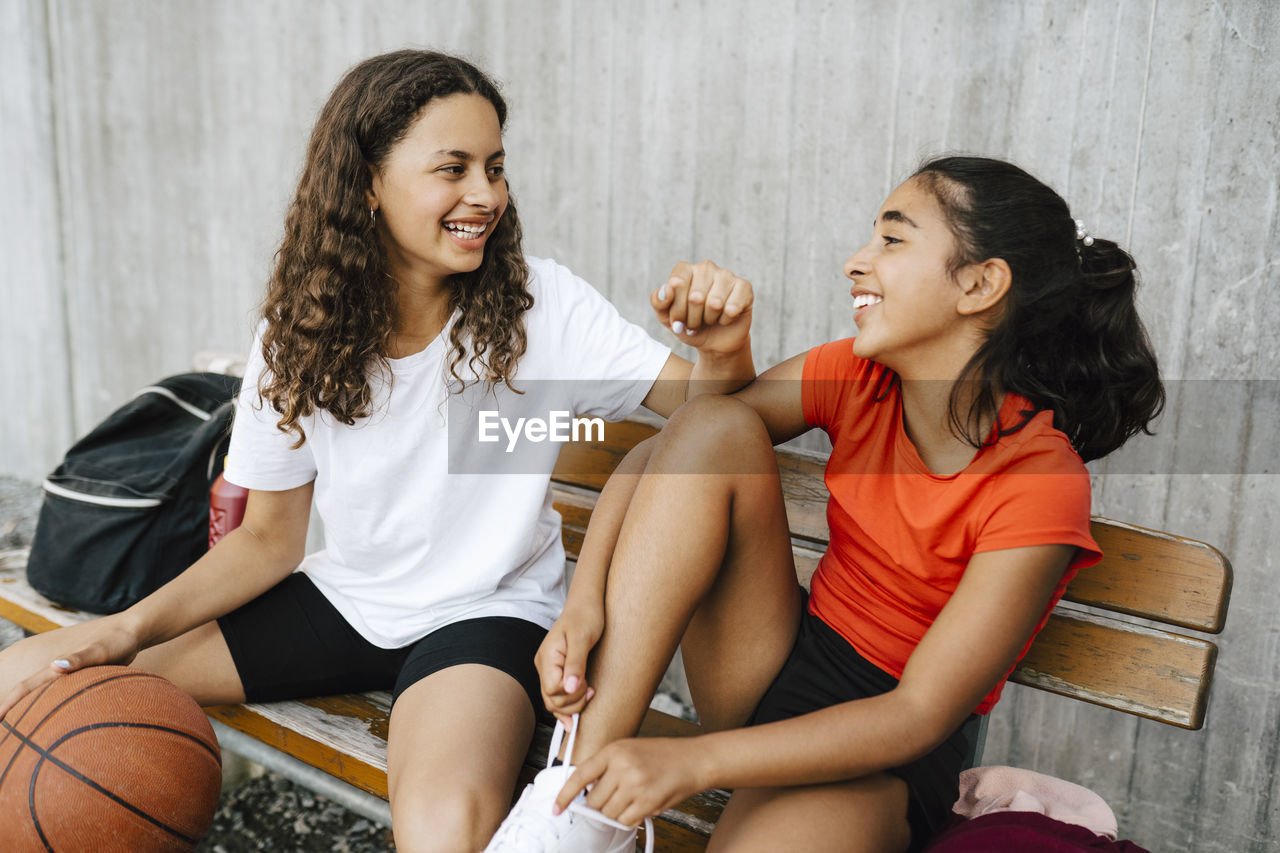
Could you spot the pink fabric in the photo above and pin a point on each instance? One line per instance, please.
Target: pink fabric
(986, 790)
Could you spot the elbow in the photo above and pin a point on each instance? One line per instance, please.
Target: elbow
(932, 721)
(281, 553)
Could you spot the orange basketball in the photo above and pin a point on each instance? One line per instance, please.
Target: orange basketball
(107, 759)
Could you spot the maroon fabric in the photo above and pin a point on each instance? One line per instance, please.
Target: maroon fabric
(1021, 832)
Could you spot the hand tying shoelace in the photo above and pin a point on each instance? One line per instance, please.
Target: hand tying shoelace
(532, 828)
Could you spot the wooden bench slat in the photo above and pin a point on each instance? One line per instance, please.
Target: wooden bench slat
(1154, 674)
(1143, 573)
(805, 492)
(1157, 576)
(329, 742)
(26, 620)
(801, 473)
(588, 464)
(1093, 656)
(575, 506)
(25, 607)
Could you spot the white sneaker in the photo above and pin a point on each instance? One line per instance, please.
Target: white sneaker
(532, 828)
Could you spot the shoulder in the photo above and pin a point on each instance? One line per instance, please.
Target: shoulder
(558, 291)
(833, 377)
(542, 269)
(1038, 491)
(1038, 470)
(1038, 447)
(554, 279)
(255, 367)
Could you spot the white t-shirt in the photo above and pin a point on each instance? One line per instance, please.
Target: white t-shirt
(426, 522)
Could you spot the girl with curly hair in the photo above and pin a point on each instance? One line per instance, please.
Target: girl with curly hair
(400, 296)
(998, 349)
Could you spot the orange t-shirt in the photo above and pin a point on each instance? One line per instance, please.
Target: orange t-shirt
(901, 536)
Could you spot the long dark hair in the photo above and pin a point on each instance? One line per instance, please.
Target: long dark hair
(330, 305)
(1069, 337)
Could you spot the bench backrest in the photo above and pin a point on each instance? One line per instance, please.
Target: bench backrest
(1094, 647)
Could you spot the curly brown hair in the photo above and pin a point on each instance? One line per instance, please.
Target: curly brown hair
(330, 305)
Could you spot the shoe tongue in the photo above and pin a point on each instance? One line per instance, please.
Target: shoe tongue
(548, 782)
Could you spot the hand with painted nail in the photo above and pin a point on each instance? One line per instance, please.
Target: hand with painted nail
(37, 660)
(706, 306)
(636, 778)
(562, 659)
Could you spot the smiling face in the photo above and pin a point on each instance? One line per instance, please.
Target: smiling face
(441, 190)
(907, 301)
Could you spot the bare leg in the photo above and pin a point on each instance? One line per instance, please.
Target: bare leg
(456, 744)
(867, 815)
(703, 558)
(703, 553)
(199, 662)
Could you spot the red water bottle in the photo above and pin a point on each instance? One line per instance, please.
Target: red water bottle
(226, 507)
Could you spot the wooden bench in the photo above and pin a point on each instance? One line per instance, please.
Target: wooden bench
(1128, 636)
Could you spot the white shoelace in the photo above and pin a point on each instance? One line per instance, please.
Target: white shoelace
(539, 830)
(536, 831)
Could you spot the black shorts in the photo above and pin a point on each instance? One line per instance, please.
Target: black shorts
(291, 643)
(822, 670)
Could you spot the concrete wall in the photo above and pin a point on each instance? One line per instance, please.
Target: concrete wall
(149, 149)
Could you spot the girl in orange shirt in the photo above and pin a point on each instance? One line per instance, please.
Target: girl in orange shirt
(998, 348)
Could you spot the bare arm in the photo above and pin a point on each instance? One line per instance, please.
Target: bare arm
(775, 395)
(681, 380)
(262, 551)
(562, 658)
(990, 616)
(267, 546)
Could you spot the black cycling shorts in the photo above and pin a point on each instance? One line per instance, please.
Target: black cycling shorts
(291, 643)
(822, 670)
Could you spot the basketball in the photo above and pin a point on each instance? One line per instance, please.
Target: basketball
(107, 759)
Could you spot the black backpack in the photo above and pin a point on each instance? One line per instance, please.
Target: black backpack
(128, 508)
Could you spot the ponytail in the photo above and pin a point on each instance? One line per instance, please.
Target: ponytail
(1100, 378)
(1069, 338)
(1129, 392)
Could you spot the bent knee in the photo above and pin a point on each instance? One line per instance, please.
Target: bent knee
(717, 427)
(450, 823)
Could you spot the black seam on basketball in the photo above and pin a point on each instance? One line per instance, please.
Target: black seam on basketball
(49, 685)
(10, 727)
(45, 755)
(27, 742)
(133, 724)
(35, 818)
(83, 690)
(36, 694)
(87, 688)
